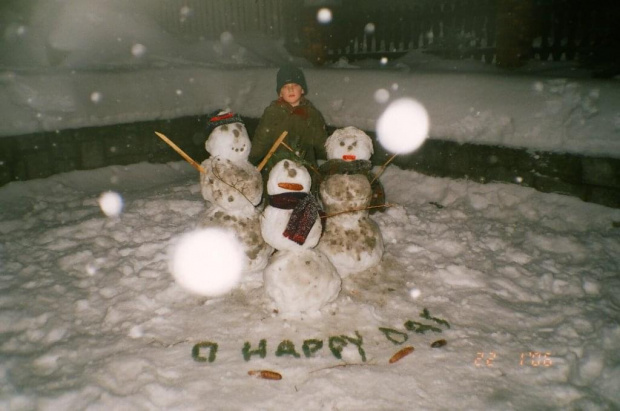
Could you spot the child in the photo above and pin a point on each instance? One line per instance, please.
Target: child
(295, 114)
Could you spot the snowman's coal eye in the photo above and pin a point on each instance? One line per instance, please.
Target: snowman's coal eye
(355, 144)
(236, 133)
(342, 144)
(286, 164)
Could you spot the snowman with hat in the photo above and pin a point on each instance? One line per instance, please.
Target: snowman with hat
(233, 187)
(351, 240)
(298, 277)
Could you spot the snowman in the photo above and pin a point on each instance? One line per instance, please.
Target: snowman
(233, 187)
(298, 278)
(351, 240)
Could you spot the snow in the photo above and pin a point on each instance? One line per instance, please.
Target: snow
(91, 317)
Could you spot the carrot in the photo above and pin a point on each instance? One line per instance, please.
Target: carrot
(266, 374)
(291, 186)
(402, 353)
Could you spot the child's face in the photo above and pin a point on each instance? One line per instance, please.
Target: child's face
(291, 93)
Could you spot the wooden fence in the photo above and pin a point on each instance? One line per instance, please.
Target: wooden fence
(566, 29)
(478, 29)
(210, 18)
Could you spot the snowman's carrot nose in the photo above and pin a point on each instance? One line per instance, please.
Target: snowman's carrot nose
(348, 157)
(291, 186)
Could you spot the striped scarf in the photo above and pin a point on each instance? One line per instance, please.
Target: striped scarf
(305, 212)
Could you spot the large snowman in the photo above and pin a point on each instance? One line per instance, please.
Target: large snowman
(352, 240)
(298, 278)
(233, 187)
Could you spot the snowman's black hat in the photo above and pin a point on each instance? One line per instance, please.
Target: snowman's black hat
(221, 117)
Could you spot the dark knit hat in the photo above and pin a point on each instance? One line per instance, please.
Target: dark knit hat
(290, 74)
(221, 117)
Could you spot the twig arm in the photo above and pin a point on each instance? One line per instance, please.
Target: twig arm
(383, 168)
(353, 210)
(272, 150)
(181, 152)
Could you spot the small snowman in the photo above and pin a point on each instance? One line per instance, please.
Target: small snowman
(348, 152)
(352, 240)
(233, 187)
(298, 278)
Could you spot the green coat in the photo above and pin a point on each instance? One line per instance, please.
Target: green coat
(305, 127)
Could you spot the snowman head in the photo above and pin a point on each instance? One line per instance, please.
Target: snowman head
(228, 137)
(349, 143)
(288, 176)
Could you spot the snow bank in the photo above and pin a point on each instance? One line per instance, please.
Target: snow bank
(581, 117)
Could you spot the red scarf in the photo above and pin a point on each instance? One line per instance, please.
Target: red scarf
(305, 212)
(301, 110)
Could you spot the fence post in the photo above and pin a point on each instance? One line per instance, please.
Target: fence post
(514, 32)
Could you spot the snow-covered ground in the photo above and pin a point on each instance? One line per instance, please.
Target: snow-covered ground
(91, 318)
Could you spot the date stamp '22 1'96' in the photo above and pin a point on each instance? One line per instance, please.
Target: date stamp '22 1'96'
(525, 359)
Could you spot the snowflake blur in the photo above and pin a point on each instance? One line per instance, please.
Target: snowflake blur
(111, 203)
(382, 96)
(185, 13)
(324, 16)
(227, 38)
(403, 126)
(96, 97)
(138, 50)
(207, 262)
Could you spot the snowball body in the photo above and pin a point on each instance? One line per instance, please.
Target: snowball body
(301, 281)
(352, 240)
(233, 186)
